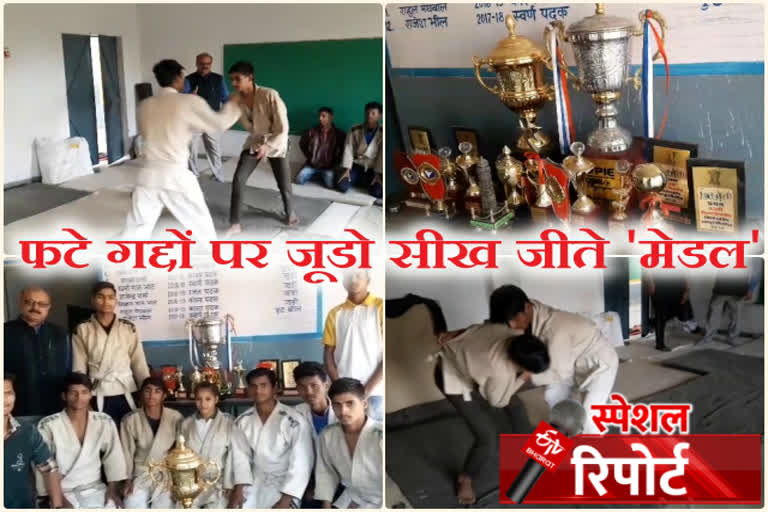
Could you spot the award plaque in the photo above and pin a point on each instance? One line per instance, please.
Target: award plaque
(672, 158)
(718, 194)
(421, 140)
(461, 134)
(286, 369)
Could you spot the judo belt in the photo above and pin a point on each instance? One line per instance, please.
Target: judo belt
(126, 379)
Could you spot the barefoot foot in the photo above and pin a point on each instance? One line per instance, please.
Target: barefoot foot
(465, 492)
(293, 220)
(234, 229)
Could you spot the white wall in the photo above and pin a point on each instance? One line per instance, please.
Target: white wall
(181, 31)
(35, 88)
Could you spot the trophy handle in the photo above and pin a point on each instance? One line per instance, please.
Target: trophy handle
(157, 472)
(559, 27)
(479, 63)
(201, 470)
(655, 15)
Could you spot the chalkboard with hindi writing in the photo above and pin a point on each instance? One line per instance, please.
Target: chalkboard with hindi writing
(343, 74)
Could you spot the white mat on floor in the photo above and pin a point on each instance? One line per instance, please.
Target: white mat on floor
(333, 220)
(121, 177)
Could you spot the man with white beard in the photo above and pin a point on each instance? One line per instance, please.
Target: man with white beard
(281, 446)
(83, 442)
(167, 124)
(147, 435)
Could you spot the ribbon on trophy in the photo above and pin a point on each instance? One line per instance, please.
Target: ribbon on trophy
(562, 100)
(648, 58)
(561, 202)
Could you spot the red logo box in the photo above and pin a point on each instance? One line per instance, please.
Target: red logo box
(548, 446)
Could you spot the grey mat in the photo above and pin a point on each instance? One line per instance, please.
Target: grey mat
(31, 199)
(426, 444)
(263, 212)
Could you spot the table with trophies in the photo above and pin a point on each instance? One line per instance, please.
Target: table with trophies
(611, 178)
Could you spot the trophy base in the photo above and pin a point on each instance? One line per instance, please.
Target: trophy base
(609, 140)
(493, 222)
(616, 226)
(419, 204)
(541, 215)
(583, 206)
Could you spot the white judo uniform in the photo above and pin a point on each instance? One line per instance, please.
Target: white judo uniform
(79, 464)
(306, 412)
(115, 362)
(141, 447)
(360, 473)
(281, 455)
(219, 440)
(581, 359)
(167, 123)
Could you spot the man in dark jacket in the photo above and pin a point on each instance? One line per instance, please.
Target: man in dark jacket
(323, 147)
(38, 353)
(212, 88)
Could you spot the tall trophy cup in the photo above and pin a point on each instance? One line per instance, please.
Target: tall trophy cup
(184, 473)
(206, 335)
(602, 47)
(510, 170)
(239, 374)
(650, 180)
(465, 162)
(519, 67)
(577, 168)
(181, 391)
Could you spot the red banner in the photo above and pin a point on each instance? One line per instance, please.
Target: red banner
(661, 470)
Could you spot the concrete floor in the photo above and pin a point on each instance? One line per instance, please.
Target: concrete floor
(640, 374)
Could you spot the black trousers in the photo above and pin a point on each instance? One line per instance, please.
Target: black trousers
(116, 406)
(245, 167)
(666, 310)
(477, 414)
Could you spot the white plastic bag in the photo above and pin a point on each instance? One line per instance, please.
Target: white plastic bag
(609, 324)
(63, 160)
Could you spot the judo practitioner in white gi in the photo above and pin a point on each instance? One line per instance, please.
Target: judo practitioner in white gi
(214, 435)
(281, 446)
(350, 452)
(582, 360)
(147, 435)
(312, 383)
(167, 124)
(84, 442)
(108, 349)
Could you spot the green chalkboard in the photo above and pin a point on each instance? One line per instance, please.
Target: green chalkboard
(342, 74)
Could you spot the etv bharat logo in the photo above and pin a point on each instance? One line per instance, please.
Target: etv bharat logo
(551, 446)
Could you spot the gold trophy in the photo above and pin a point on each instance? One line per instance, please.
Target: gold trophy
(577, 168)
(239, 372)
(472, 196)
(519, 67)
(184, 473)
(509, 170)
(181, 391)
(543, 200)
(450, 176)
(619, 204)
(650, 180)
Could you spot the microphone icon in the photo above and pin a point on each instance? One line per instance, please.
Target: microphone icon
(548, 446)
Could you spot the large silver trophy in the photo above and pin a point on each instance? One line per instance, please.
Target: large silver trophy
(601, 45)
(206, 336)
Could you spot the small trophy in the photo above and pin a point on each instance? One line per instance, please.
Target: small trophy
(650, 180)
(184, 473)
(472, 196)
(577, 168)
(181, 391)
(239, 372)
(619, 204)
(452, 187)
(509, 170)
(195, 379)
